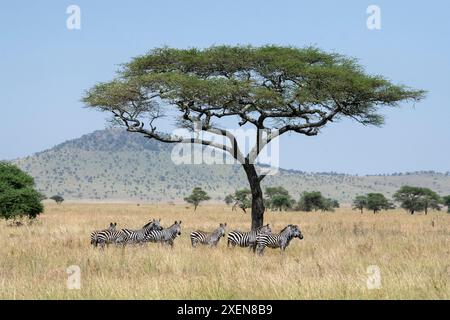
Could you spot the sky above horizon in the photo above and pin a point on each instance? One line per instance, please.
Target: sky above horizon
(46, 68)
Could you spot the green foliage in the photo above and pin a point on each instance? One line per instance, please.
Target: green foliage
(283, 82)
(359, 203)
(17, 195)
(241, 198)
(416, 199)
(57, 198)
(229, 199)
(278, 198)
(197, 196)
(314, 200)
(11, 177)
(281, 202)
(446, 202)
(330, 204)
(377, 202)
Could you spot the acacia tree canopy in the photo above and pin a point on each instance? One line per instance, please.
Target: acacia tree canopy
(282, 89)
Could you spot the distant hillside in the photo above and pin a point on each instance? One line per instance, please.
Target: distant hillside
(113, 164)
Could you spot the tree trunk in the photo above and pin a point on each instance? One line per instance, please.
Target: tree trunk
(257, 195)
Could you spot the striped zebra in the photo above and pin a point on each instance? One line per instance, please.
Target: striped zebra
(138, 236)
(106, 237)
(112, 226)
(280, 240)
(165, 236)
(246, 239)
(208, 238)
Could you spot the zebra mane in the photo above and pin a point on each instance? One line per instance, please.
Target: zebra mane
(172, 225)
(259, 228)
(148, 224)
(288, 226)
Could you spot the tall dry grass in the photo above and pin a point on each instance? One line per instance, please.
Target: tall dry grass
(331, 262)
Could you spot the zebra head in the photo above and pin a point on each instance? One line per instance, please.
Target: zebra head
(296, 232)
(221, 230)
(156, 224)
(112, 226)
(176, 228)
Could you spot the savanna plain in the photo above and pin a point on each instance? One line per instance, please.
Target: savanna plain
(331, 262)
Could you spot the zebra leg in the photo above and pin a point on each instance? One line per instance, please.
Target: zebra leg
(260, 249)
(102, 245)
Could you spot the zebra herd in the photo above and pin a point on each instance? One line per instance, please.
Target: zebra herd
(257, 240)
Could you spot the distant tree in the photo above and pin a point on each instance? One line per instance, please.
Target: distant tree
(18, 198)
(57, 198)
(240, 198)
(281, 202)
(271, 191)
(377, 202)
(329, 204)
(416, 199)
(446, 202)
(431, 200)
(228, 199)
(197, 196)
(409, 198)
(359, 203)
(314, 200)
(309, 201)
(278, 198)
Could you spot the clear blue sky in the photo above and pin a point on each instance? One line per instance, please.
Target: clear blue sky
(45, 68)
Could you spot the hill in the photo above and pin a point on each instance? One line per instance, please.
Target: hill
(114, 165)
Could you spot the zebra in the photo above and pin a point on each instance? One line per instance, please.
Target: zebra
(138, 236)
(246, 239)
(165, 236)
(112, 226)
(106, 237)
(208, 238)
(280, 240)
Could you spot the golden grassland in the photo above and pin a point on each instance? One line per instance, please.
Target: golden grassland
(331, 262)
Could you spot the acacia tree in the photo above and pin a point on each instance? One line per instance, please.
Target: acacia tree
(57, 198)
(431, 200)
(446, 202)
(313, 200)
(278, 198)
(417, 199)
(377, 202)
(198, 195)
(240, 199)
(360, 202)
(276, 90)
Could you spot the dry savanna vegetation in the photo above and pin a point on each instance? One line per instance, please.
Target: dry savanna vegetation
(412, 253)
